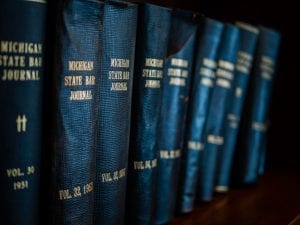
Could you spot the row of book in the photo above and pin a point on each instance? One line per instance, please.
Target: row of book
(117, 112)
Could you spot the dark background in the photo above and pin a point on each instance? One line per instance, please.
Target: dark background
(284, 135)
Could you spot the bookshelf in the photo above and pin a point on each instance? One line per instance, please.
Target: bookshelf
(274, 200)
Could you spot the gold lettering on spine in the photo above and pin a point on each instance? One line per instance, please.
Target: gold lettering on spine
(81, 95)
(121, 63)
(233, 121)
(90, 80)
(152, 84)
(261, 127)
(12, 61)
(207, 72)
(119, 74)
(178, 72)
(215, 139)
(20, 47)
(119, 86)
(113, 176)
(75, 192)
(14, 172)
(20, 61)
(73, 81)
(81, 65)
(177, 81)
(170, 154)
(195, 145)
(225, 74)
(21, 123)
(64, 194)
(209, 63)
(244, 62)
(145, 165)
(20, 177)
(153, 72)
(179, 62)
(267, 67)
(154, 62)
(20, 185)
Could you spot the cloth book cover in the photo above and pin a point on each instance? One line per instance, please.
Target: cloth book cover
(114, 85)
(151, 50)
(77, 69)
(22, 80)
(175, 97)
(256, 116)
(203, 81)
(248, 40)
(216, 117)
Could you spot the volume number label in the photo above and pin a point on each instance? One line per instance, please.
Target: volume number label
(20, 185)
(20, 176)
(76, 192)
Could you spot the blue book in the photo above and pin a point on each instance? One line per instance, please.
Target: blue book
(151, 51)
(214, 130)
(77, 68)
(22, 76)
(249, 151)
(248, 40)
(114, 85)
(176, 86)
(202, 83)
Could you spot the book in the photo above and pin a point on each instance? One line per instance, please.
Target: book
(77, 68)
(114, 84)
(201, 86)
(151, 51)
(248, 39)
(256, 116)
(175, 96)
(22, 80)
(216, 117)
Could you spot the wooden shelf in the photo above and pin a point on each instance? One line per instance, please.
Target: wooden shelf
(274, 200)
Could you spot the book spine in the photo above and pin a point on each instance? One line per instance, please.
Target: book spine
(77, 67)
(175, 96)
(22, 78)
(262, 158)
(263, 75)
(151, 51)
(248, 40)
(214, 130)
(114, 111)
(202, 82)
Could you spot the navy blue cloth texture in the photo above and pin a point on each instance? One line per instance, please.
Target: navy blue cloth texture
(253, 134)
(22, 76)
(77, 66)
(114, 85)
(262, 158)
(208, 41)
(214, 130)
(248, 40)
(151, 50)
(176, 86)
